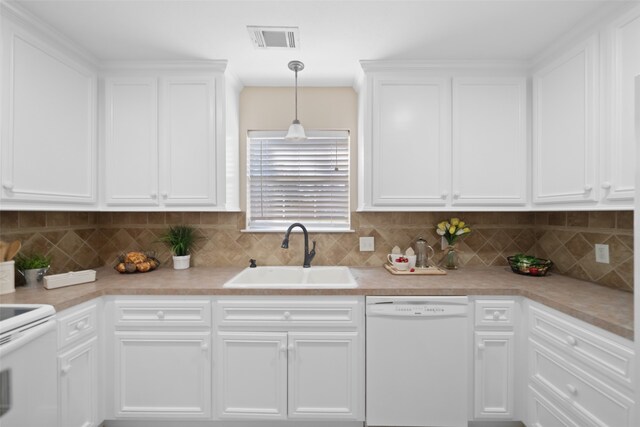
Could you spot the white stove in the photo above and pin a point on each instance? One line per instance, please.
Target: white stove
(15, 316)
(28, 367)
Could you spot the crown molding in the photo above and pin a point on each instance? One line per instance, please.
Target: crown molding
(173, 65)
(20, 16)
(593, 24)
(422, 65)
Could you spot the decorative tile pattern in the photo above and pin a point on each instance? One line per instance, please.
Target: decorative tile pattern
(80, 240)
(64, 236)
(568, 239)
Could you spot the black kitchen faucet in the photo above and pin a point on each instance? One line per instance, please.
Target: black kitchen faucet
(308, 256)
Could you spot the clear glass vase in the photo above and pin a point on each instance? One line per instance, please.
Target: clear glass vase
(450, 260)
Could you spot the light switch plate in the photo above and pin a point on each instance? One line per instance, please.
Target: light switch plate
(602, 253)
(367, 244)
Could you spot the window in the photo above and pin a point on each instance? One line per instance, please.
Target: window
(298, 181)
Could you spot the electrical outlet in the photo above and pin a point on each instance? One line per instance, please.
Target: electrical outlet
(366, 244)
(602, 253)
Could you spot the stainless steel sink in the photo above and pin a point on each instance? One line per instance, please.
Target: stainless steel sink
(293, 277)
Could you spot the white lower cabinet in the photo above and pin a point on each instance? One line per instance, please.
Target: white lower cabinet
(162, 374)
(544, 413)
(252, 375)
(494, 359)
(288, 360)
(578, 374)
(78, 367)
(323, 378)
(78, 388)
(274, 361)
(287, 375)
(161, 358)
(494, 374)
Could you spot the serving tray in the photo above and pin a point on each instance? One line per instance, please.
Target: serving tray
(433, 271)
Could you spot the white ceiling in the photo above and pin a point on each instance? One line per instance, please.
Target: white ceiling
(334, 35)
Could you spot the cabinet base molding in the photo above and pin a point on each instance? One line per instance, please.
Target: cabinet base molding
(244, 423)
(496, 424)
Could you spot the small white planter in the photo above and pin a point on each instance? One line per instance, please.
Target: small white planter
(34, 275)
(181, 262)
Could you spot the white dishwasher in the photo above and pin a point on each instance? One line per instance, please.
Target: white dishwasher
(417, 361)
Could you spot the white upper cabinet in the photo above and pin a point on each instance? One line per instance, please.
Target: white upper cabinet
(438, 141)
(622, 47)
(48, 149)
(489, 156)
(188, 140)
(565, 126)
(131, 141)
(163, 143)
(410, 138)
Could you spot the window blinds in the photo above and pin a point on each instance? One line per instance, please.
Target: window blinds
(302, 181)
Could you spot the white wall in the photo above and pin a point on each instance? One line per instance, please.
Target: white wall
(272, 108)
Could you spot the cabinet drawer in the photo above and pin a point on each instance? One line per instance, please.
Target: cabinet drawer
(600, 404)
(345, 313)
(610, 358)
(495, 313)
(162, 313)
(76, 324)
(546, 413)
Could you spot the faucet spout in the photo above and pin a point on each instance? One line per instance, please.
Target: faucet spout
(308, 255)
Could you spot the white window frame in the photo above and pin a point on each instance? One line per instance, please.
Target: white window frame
(267, 226)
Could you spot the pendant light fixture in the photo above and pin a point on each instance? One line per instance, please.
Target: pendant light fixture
(296, 131)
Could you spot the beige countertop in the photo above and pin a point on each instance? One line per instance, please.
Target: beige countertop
(607, 308)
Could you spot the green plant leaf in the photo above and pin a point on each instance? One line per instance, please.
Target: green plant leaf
(180, 239)
(31, 261)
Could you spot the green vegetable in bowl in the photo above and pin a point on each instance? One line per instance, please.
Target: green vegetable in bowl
(529, 265)
(527, 260)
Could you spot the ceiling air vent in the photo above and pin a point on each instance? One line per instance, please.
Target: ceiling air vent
(274, 37)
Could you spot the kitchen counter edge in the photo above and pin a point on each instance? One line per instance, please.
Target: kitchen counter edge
(607, 308)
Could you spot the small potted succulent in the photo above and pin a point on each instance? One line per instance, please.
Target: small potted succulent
(32, 267)
(180, 240)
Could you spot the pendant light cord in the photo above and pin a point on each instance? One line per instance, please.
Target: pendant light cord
(296, 94)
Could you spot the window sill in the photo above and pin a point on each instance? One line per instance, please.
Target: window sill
(297, 230)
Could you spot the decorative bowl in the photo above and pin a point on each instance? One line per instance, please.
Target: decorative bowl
(530, 266)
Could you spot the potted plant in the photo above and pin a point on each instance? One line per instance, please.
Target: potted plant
(180, 240)
(32, 267)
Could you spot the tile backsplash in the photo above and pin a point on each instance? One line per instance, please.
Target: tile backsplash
(80, 240)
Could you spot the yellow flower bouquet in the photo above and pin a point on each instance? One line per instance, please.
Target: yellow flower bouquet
(451, 231)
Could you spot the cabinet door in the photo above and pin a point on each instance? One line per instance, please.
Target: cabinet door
(410, 137)
(565, 125)
(324, 376)
(251, 375)
(623, 43)
(188, 141)
(131, 141)
(162, 374)
(78, 385)
(48, 149)
(489, 155)
(494, 374)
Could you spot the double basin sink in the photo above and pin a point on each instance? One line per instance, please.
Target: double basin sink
(293, 278)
